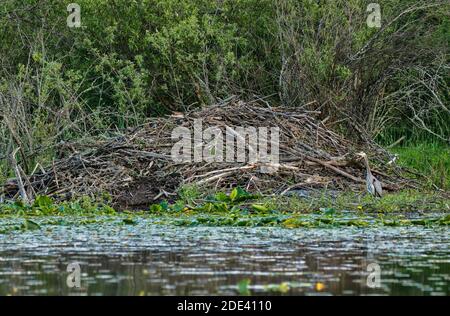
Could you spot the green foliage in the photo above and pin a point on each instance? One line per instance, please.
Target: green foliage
(430, 160)
(238, 195)
(216, 203)
(45, 206)
(324, 204)
(144, 56)
(188, 194)
(399, 202)
(30, 225)
(135, 59)
(322, 211)
(288, 212)
(243, 287)
(129, 221)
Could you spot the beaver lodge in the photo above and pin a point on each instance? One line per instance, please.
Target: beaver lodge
(137, 167)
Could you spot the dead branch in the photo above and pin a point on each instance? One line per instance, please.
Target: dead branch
(136, 168)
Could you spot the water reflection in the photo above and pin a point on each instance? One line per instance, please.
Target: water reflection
(149, 259)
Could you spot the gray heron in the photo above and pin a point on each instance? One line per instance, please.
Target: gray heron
(372, 183)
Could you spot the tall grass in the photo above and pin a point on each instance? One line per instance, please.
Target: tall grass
(430, 159)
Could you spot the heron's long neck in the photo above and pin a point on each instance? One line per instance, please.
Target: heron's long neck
(366, 162)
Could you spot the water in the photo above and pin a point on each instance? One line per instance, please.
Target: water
(150, 259)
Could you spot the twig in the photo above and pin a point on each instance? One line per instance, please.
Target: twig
(398, 141)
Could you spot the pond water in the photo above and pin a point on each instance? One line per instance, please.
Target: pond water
(153, 259)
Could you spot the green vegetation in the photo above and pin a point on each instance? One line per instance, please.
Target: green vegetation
(244, 210)
(241, 209)
(63, 89)
(430, 160)
(405, 201)
(45, 206)
(135, 59)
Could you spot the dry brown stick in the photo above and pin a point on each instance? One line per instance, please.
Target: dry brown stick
(330, 162)
(219, 176)
(337, 170)
(398, 141)
(222, 171)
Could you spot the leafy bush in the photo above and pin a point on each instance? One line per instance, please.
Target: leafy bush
(134, 59)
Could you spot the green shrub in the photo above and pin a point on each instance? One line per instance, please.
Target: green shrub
(134, 59)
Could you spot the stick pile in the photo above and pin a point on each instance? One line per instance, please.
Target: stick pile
(136, 167)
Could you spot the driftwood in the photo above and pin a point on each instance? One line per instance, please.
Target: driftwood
(135, 167)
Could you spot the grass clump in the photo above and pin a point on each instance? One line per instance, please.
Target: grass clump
(239, 208)
(404, 201)
(430, 159)
(45, 206)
